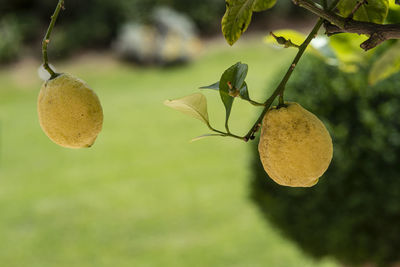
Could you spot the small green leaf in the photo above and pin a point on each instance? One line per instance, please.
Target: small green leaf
(372, 11)
(244, 92)
(204, 136)
(387, 65)
(233, 76)
(317, 46)
(194, 105)
(238, 15)
(261, 5)
(240, 74)
(236, 19)
(214, 86)
(292, 35)
(228, 102)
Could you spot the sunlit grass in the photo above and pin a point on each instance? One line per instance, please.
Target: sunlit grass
(142, 195)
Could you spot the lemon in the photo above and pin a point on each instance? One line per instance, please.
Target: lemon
(69, 112)
(295, 147)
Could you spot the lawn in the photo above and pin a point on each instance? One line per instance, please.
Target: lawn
(143, 195)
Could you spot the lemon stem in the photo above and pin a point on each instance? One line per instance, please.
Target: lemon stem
(225, 134)
(281, 101)
(281, 87)
(46, 40)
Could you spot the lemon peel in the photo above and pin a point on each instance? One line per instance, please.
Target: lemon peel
(295, 148)
(69, 112)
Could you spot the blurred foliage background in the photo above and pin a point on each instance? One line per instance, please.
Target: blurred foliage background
(95, 23)
(353, 212)
(142, 195)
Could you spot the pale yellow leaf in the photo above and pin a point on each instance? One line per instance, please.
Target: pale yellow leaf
(194, 105)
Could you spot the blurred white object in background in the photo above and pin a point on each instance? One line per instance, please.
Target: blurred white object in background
(43, 74)
(171, 38)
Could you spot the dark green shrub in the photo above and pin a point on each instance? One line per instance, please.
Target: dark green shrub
(353, 213)
(95, 23)
(206, 13)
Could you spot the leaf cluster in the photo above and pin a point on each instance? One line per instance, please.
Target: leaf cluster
(230, 86)
(238, 16)
(341, 50)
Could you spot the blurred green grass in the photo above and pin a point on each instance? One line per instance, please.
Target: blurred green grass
(142, 195)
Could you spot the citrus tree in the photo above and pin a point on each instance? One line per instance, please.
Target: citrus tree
(348, 216)
(295, 148)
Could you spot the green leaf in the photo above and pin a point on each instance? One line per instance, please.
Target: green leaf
(394, 5)
(347, 47)
(292, 35)
(240, 74)
(387, 65)
(235, 75)
(261, 5)
(374, 11)
(236, 19)
(194, 105)
(244, 92)
(214, 86)
(228, 102)
(205, 136)
(238, 15)
(298, 38)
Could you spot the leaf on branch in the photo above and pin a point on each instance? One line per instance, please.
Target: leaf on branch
(236, 19)
(261, 5)
(205, 136)
(244, 92)
(232, 78)
(292, 35)
(214, 86)
(374, 11)
(194, 105)
(238, 15)
(387, 65)
(316, 47)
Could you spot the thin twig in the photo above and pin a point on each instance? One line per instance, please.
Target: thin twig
(358, 5)
(281, 87)
(46, 40)
(254, 103)
(228, 134)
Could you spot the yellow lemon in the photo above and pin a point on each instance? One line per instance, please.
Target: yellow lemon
(69, 111)
(295, 147)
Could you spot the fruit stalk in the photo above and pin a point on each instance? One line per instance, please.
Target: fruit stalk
(281, 87)
(46, 40)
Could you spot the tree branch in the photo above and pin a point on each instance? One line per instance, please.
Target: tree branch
(281, 87)
(46, 39)
(377, 33)
(357, 7)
